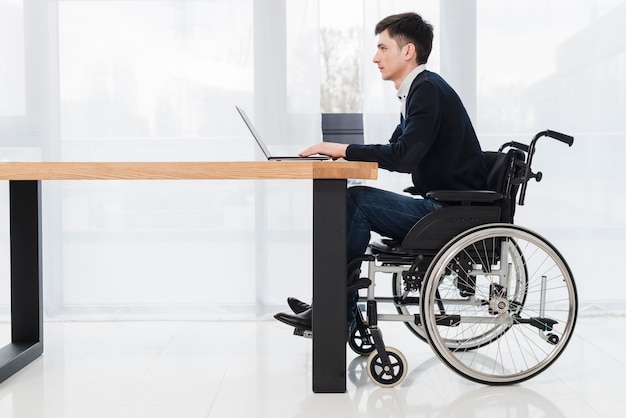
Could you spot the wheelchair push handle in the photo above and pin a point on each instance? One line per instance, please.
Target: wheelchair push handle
(514, 144)
(567, 139)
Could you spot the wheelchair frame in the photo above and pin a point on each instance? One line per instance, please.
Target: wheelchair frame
(496, 302)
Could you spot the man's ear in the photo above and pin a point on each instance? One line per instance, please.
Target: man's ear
(410, 52)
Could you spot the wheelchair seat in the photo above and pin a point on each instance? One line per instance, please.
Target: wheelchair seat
(465, 209)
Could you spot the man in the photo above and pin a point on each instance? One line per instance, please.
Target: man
(434, 142)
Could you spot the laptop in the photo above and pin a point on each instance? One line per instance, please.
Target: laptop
(266, 150)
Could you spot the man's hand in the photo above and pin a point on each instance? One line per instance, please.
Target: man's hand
(332, 149)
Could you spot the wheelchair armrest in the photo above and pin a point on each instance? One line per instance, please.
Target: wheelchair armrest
(411, 190)
(478, 196)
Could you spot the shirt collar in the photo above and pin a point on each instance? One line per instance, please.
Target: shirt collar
(403, 91)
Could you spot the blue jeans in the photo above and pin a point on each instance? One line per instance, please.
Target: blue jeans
(387, 213)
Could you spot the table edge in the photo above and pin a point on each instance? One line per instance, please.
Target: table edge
(224, 170)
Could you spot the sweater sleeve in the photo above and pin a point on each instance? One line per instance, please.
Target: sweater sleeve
(412, 138)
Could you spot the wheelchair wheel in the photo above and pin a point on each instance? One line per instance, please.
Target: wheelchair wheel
(388, 375)
(361, 341)
(520, 316)
(461, 288)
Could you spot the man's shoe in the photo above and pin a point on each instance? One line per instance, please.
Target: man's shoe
(297, 306)
(302, 320)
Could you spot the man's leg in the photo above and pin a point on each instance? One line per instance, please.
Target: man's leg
(387, 213)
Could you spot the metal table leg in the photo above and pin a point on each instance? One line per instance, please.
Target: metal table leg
(26, 278)
(329, 285)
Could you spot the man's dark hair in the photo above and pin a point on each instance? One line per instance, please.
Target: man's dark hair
(409, 28)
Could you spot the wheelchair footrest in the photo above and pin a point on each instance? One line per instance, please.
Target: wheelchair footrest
(442, 319)
(306, 333)
(543, 324)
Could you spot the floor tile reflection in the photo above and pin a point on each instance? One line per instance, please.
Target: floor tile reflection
(258, 369)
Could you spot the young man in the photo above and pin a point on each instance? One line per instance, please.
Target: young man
(434, 142)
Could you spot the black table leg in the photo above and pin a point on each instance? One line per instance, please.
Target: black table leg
(329, 286)
(26, 283)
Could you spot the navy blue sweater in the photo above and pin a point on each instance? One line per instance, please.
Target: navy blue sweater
(435, 142)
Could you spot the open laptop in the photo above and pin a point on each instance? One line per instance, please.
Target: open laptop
(266, 150)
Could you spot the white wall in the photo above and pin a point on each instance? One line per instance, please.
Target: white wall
(158, 81)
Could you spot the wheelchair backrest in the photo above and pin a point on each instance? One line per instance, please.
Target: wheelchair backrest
(504, 170)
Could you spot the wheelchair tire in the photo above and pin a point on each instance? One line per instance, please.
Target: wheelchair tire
(520, 333)
(361, 341)
(387, 376)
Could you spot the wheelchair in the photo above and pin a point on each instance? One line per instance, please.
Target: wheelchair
(496, 302)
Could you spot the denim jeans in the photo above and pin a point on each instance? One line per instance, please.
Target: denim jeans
(387, 213)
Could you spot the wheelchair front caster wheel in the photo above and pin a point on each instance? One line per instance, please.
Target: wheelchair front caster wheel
(387, 375)
(361, 341)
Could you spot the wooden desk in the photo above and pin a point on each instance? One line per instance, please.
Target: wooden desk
(329, 245)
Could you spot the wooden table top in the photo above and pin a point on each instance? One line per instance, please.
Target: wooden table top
(242, 170)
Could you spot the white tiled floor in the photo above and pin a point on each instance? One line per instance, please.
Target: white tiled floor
(258, 369)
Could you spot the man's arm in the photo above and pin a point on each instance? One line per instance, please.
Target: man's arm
(412, 140)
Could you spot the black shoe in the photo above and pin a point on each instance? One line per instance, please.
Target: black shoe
(303, 320)
(297, 306)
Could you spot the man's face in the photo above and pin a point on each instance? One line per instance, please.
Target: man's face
(391, 59)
